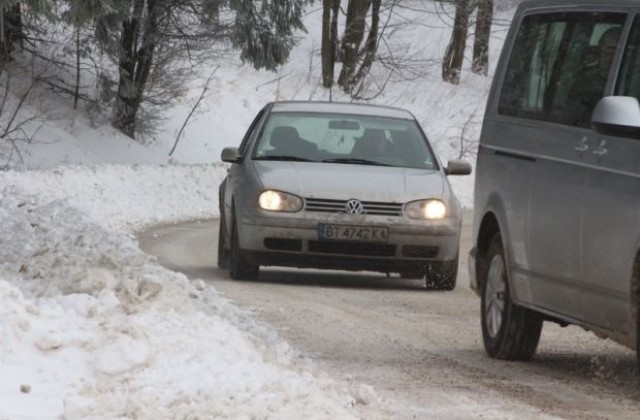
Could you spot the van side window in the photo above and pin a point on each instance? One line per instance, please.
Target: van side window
(629, 81)
(559, 66)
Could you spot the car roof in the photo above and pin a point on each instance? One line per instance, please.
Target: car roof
(576, 4)
(342, 108)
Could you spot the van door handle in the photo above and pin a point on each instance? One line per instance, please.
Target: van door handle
(582, 145)
(601, 150)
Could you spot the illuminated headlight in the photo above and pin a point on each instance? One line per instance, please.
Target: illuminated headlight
(426, 209)
(279, 201)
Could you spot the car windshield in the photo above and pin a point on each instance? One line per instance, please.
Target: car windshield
(344, 139)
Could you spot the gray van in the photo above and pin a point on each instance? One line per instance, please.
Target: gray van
(556, 232)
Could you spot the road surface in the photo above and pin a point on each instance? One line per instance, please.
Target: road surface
(420, 352)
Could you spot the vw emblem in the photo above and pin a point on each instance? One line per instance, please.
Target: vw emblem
(354, 207)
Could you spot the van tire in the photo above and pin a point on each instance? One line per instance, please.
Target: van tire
(635, 284)
(509, 332)
(638, 344)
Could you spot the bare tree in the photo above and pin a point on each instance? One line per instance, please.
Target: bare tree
(11, 31)
(353, 36)
(138, 42)
(392, 61)
(482, 35)
(454, 55)
(468, 145)
(263, 31)
(194, 108)
(371, 44)
(14, 131)
(211, 11)
(329, 48)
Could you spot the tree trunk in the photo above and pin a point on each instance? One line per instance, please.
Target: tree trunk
(76, 92)
(483, 32)
(353, 35)
(454, 56)
(371, 45)
(334, 28)
(11, 31)
(330, 11)
(135, 63)
(211, 11)
(327, 51)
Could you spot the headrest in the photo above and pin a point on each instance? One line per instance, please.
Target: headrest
(283, 135)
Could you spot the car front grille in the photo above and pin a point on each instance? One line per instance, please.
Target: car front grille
(351, 248)
(283, 244)
(339, 206)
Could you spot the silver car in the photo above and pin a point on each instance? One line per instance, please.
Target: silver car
(339, 186)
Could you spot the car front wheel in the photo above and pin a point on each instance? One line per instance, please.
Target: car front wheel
(509, 331)
(240, 268)
(223, 252)
(442, 275)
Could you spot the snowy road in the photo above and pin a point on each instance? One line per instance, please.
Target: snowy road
(421, 351)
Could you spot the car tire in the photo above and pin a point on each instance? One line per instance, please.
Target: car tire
(442, 275)
(223, 252)
(509, 332)
(240, 268)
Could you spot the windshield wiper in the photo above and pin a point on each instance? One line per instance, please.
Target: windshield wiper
(355, 161)
(284, 157)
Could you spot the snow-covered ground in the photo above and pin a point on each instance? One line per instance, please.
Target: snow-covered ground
(90, 327)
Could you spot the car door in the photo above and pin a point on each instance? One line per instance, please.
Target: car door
(549, 88)
(611, 216)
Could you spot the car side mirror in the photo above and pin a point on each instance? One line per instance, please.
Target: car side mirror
(617, 116)
(457, 167)
(230, 155)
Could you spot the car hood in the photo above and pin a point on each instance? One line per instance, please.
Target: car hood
(347, 181)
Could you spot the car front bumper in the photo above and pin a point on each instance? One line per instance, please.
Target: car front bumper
(292, 240)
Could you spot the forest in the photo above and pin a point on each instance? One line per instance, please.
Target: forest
(130, 59)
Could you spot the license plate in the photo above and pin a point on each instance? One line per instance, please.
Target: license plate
(353, 233)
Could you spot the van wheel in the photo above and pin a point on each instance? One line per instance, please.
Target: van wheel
(240, 268)
(223, 252)
(509, 331)
(638, 345)
(442, 275)
(636, 282)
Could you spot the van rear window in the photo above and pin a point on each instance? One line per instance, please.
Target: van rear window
(559, 66)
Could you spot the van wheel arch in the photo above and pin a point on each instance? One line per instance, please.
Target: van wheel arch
(488, 229)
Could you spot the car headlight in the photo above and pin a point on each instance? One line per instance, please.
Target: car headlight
(279, 201)
(426, 209)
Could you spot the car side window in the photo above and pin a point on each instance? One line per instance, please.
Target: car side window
(629, 80)
(244, 145)
(559, 66)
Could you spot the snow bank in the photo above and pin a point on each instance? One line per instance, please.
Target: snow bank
(128, 197)
(90, 327)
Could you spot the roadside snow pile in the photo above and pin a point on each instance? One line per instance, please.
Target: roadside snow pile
(90, 327)
(128, 197)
